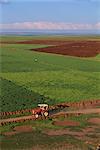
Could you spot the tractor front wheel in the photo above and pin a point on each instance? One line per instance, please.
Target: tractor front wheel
(36, 116)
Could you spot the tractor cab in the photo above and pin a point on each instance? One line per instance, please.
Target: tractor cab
(43, 107)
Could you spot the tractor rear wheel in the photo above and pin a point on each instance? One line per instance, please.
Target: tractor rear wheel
(46, 114)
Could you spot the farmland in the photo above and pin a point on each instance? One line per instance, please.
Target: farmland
(60, 133)
(31, 75)
(54, 78)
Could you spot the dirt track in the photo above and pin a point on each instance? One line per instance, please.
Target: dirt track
(82, 111)
(66, 114)
(82, 104)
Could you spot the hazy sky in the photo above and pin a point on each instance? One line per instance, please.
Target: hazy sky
(50, 14)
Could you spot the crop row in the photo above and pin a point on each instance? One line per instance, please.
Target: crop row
(58, 86)
(14, 97)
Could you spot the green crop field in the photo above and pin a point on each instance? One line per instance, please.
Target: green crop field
(29, 77)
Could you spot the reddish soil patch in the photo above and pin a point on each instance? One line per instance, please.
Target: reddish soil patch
(81, 104)
(76, 112)
(94, 121)
(89, 129)
(79, 49)
(19, 129)
(71, 48)
(25, 128)
(9, 133)
(63, 132)
(66, 123)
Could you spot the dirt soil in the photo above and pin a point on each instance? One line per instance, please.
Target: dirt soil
(10, 133)
(19, 129)
(66, 123)
(67, 114)
(25, 128)
(83, 104)
(83, 134)
(89, 129)
(71, 48)
(77, 112)
(64, 132)
(79, 49)
(94, 121)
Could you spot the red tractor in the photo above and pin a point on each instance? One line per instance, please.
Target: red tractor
(42, 110)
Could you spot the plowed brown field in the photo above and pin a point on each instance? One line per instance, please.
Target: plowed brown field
(84, 48)
(79, 49)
